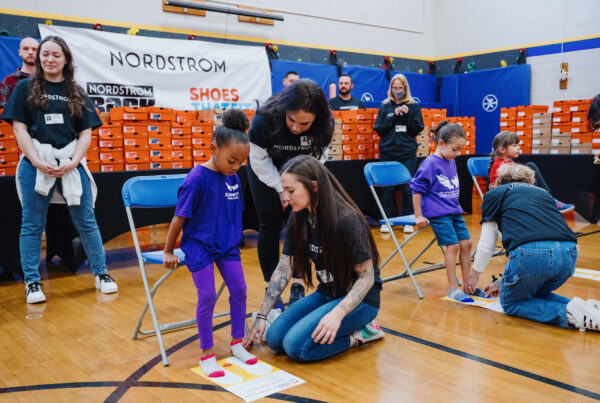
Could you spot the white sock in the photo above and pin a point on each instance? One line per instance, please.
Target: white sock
(210, 367)
(239, 352)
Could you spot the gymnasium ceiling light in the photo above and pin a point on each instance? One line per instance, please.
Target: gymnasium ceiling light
(226, 10)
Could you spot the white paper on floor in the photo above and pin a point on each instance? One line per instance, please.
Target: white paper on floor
(487, 303)
(251, 382)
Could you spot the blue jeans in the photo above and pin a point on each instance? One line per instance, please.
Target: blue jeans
(291, 331)
(33, 223)
(387, 198)
(534, 270)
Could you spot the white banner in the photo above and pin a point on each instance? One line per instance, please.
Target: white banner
(127, 70)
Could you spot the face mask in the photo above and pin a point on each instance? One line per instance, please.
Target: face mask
(398, 94)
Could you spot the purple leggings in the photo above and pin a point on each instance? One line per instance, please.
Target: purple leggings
(204, 279)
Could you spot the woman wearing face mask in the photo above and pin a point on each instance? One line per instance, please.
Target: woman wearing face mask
(398, 123)
(295, 121)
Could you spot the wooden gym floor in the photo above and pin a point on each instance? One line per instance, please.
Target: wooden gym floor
(78, 346)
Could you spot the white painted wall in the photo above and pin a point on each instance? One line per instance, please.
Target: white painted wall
(384, 26)
(479, 25)
(584, 76)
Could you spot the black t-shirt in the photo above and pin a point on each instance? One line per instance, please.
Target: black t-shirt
(282, 146)
(398, 132)
(524, 213)
(351, 230)
(55, 125)
(338, 104)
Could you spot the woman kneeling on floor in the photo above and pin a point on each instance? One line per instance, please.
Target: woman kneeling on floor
(541, 250)
(328, 229)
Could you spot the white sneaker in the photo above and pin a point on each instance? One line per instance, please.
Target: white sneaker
(106, 284)
(33, 293)
(384, 228)
(583, 315)
(408, 229)
(368, 333)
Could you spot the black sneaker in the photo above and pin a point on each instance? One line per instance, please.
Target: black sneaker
(296, 292)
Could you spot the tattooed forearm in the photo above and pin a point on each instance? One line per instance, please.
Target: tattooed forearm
(279, 280)
(360, 288)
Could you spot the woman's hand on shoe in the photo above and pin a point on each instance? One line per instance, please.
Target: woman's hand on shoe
(327, 328)
(256, 333)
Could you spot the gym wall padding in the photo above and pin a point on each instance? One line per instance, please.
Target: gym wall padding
(9, 48)
(482, 93)
(322, 74)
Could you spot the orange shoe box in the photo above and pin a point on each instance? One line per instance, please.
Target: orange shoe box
(8, 146)
(349, 138)
(132, 128)
(141, 159)
(161, 155)
(201, 142)
(155, 139)
(110, 143)
(183, 162)
(202, 127)
(161, 165)
(178, 142)
(162, 128)
(93, 167)
(559, 117)
(112, 167)
(576, 117)
(114, 154)
(207, 115)
(181, 128)
(8, 168)
(92, 155)
(128, 113)
(561, 107)
(349, 116)
(581, 138)
(141, 166)
(156, 113)
(364, 114)
(143, 155)
(349, 127)
(182, 152)
(365, 148)
(364, 138)
(110, 128)
(200, 155)
(6, 131)
(578, 128)
(136, 141)
(103, 137)
(10, 157)
(186, 116)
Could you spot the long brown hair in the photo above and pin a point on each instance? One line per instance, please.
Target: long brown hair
(330, 204)
(75, 93)
(502, 139)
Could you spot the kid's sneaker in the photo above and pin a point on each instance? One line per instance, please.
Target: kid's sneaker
(563, 207)
(368, 333)
(33, 293)
(584, 315)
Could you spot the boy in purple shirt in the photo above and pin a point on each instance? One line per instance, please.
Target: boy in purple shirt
(209, 209)
(435, 191)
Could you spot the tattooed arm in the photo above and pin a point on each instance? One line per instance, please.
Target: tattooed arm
(328, 326)
(279, 280)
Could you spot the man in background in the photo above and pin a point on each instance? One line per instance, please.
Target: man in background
(27, 51)
(345, 100)
(290, 78)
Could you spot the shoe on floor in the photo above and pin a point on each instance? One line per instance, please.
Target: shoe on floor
(33, 293)
(368, 333)
(106, 284)
(563, 207)
(384, 229)
(296, 292)
(583, 315)
(408, 229)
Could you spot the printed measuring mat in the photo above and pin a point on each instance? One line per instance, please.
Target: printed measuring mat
(492, 304)
(251, 382)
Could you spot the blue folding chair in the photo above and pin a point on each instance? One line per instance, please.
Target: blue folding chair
(478, 167)
(156, 191)
(393, 173)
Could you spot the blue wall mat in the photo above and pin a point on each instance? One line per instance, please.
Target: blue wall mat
(423, 87)
(9, 58)
(482, 93)
(322, 74)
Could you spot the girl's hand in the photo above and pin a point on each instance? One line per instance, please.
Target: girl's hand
(256, 333)
(421, 221)
(327, 328)
(492, 290)
(471, 282)
(170, 260)
(284, 204)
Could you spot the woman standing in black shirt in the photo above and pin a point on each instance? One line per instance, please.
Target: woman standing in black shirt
(53, 121)
(398, 123)
(295, 121)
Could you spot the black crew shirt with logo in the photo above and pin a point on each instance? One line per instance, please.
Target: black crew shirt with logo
(55, 125)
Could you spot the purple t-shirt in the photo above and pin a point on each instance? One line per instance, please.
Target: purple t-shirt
(212, 204)
(437, 182)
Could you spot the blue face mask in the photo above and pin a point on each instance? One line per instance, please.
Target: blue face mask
(398, 94)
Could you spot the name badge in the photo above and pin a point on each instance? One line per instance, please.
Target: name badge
(400, 128)
(54, 118)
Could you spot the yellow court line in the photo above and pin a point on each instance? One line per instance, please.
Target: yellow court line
(92, 21)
